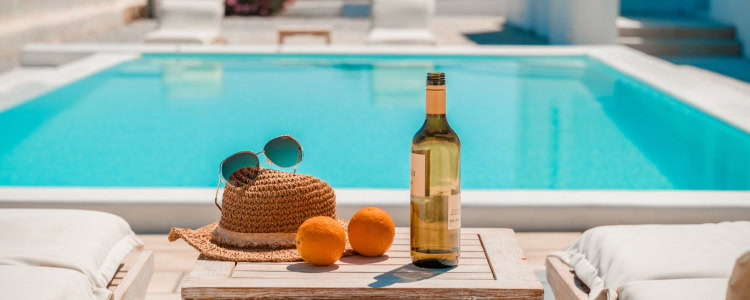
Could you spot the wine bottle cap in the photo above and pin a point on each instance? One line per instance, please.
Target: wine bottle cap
(435, 78)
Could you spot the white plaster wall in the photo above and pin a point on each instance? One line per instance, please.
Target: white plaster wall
(737, 13)
(470, 7)
(583, 21)
(540, 17)
(518, 14)
(530, 15)
(566, 21)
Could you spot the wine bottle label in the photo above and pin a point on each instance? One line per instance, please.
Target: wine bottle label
(418, 175)
(454, 212)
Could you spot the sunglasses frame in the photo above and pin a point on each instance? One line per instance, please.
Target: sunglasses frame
(300, 157)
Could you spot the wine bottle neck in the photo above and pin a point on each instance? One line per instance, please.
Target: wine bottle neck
(435, 100)
(436, 119)
(436, 123)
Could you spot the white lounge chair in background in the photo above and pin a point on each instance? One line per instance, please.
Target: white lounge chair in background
(188, 21)
(401, 22)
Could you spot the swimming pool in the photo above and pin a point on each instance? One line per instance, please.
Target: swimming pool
(166, 120)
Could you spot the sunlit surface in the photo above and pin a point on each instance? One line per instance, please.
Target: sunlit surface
(528, 123)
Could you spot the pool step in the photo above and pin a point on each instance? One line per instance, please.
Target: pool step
(678, 36)
(683, 47)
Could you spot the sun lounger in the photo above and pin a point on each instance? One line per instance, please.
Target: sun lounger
(683, 289)
(401, 22)
(650, 262)
(70, 254)
(188, 21)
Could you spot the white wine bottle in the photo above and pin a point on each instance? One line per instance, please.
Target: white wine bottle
(435, 185)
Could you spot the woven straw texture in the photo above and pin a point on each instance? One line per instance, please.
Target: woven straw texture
(271, 202)
(275, 201)
(200, 239)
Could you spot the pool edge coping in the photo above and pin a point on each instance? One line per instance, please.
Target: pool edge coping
(15, 90)
(155, 210)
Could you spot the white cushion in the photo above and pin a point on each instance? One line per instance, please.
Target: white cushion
(25, 282)
(90, 242)
(611, 256)
(675, 289)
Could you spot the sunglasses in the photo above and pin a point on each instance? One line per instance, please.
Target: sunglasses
(283, 151)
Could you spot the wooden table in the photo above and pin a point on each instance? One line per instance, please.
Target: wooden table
(324, 31)
(492, 265)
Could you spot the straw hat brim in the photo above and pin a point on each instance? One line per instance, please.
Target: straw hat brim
(200, 239)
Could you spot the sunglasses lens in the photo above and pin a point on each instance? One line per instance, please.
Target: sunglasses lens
(284, 151)
(238, 161)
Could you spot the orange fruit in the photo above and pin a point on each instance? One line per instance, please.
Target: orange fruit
(371, 231)
(321, 240)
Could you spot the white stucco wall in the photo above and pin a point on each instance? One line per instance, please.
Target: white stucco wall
(517, 13)
(470, 7)
(583, 21)
(737, 13)
(540, 17)
(566, 21)
(531, 15)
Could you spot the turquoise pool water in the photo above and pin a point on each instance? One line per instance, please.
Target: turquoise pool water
(524, 123)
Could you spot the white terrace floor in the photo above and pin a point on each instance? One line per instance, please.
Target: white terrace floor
(449, 30)
(173, 261)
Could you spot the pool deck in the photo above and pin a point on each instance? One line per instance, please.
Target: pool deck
(448, 30)
(151, 209)
(173, 261)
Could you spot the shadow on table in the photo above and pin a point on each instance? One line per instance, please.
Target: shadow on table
(404, 274)
(360, 260)
(308, 268)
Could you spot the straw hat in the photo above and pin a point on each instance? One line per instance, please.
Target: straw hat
(260, 217)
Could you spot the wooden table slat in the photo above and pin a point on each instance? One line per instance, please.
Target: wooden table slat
(354, 285)
(464, 236)
(464, 242)
(506, 258)
(408, 254)
(338, 276)
(469, 248)
(379, 260)
(492, 265)
(211, 269)
(352, 268)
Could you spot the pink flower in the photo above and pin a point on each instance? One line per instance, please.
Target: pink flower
(231, 2)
